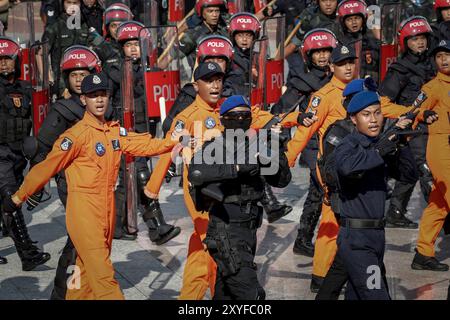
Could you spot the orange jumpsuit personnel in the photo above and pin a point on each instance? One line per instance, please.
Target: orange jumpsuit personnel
(436, 107)
(326, 104)
(201, 121)
(90, 152)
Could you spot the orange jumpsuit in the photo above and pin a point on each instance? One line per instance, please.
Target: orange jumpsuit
(327, 105)
(438, 158)
(90, 154)
(202, 122)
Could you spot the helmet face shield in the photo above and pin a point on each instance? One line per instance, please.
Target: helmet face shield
(215, 46)
(9, 48)
(80, 57)
(244, 22)
(129, 30)
(317, 39)
(411, 27)
(117, 12)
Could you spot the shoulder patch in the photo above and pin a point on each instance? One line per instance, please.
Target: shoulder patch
(420, 99)
(123, 132)
(66, 144)
(210, 123)
(315, 101)
(179, 126)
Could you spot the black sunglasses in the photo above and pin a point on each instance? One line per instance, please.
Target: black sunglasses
(237, 115)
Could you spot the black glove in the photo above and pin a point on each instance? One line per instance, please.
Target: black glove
(385, 147)
(249, 169)
(428, 113)
(8, 205)
(302, 116)
(34, 200)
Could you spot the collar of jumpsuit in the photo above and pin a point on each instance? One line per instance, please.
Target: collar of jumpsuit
(338, 83)
(94, 122)
(443, 77)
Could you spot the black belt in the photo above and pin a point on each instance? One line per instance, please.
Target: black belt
(363, 223)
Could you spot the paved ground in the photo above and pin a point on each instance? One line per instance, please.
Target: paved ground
(146, 271)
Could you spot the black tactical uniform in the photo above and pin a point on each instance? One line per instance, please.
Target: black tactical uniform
(231, 235)
(15, 126)
(402, 84)
(92, 16)
(59, 38)
(159, 231)
(368, 47)
(50, 11)
(304, 84)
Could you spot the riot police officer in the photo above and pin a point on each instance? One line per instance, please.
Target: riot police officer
(352, 16)
(231, 235)
(402, 84)
(15, 118)
(213, 22)
(159, 231)
(441, 28)
(60, 37)
(92, 14)
(244, 30)
(316, 51)
(77, 62)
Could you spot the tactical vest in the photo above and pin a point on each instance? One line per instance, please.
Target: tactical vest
(15, 111)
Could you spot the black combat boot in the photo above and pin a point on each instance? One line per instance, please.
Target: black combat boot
(303, 244)
(396, 218)
(3, 260)
(30, 255)
(158, 230)
(316, 283)
(421, 262)
(274, 209)
(171, 172)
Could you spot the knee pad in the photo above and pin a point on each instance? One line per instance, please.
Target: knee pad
(143, 175)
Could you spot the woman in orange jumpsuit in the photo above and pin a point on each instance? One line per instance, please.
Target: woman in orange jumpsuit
(90, 153)
(435, 110)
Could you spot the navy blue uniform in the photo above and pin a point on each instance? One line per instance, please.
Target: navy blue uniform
(362, 174)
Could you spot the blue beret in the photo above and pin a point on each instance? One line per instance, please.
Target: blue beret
(362, 100)
(359, 85)
(233, 102)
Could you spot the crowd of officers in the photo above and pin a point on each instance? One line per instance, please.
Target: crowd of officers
(334, 62)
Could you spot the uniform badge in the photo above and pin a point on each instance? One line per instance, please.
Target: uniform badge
(344, 50)
(96, 80)
(123, 132)
(66, 144)
(179, 126)
(210, 123)
(115, 144)
(17, 102)
(100, 149)
(315, 102)
(420, 99)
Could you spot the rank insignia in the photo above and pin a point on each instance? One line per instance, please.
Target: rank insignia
(100, 149)
(66, 144)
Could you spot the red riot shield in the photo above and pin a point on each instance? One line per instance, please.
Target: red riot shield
(390, 21)
(39, 83)
(259, 5)
(127, 91)
(176, 10)
(160, 60)
(268, 73)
